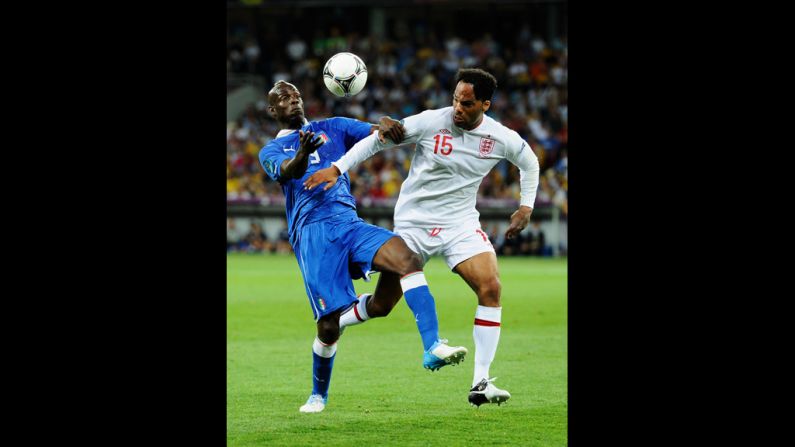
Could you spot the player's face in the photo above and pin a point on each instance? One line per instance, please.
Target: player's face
(467, 111)
(286, 104)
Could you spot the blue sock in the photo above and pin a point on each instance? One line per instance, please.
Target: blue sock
(422, 305)
(322, 363)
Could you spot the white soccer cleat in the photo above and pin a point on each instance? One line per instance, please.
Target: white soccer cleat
(440, 354)
(315, 404)
(486, 393)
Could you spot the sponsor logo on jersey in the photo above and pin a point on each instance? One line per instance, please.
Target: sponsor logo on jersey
(445, 131)
(486, 146)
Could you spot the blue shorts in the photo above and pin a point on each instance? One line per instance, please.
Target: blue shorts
(332, 253)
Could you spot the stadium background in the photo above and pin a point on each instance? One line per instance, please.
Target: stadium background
(412, 50)
(379, 394)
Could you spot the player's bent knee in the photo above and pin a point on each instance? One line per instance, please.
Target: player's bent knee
(404, 260)
(328, 331)
(329, 336)
(414, 262)
(489, 292)
(410, 263)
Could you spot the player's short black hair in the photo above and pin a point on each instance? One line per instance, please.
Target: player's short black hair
(482, 82)
(273, 96)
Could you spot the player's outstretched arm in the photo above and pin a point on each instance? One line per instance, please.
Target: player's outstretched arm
(296, 166)
(328, 175)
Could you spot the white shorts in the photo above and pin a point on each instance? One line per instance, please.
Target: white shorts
(456, 244)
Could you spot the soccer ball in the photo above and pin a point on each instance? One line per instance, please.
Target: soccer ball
(345, 74)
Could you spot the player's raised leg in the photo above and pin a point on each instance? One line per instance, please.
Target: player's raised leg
(374, 305)
(480, 272)
(395, 256)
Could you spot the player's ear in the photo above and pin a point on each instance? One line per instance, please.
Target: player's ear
(272, 111)
(486, 105)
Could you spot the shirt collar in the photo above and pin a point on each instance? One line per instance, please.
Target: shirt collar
(284, 132)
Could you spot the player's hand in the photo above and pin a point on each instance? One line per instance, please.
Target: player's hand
(389, 128)
(519, 221)
(328, 175)
(309, 143)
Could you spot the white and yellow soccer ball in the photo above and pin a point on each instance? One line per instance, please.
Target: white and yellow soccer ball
(345, 74)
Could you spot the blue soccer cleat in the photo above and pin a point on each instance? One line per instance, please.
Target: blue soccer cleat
(439, 354)
(315, 404)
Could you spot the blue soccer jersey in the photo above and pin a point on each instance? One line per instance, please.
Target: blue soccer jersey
(332, 244)
(303, 207)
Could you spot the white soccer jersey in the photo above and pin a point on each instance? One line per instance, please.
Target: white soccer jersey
(448, 166)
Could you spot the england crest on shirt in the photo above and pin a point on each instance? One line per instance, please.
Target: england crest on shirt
(486, 146)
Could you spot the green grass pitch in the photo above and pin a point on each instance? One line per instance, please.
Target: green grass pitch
(380, 394)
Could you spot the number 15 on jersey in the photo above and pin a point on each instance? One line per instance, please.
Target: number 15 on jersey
(447, 147)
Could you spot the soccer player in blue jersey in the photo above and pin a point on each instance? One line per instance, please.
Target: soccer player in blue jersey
(333, 245)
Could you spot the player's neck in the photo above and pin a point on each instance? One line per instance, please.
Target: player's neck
(288, 128)
(293, 125)
(474, 126)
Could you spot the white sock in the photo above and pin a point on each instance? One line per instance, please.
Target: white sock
(324, 350)
(412, 281)
(357, 314)
(487, 335)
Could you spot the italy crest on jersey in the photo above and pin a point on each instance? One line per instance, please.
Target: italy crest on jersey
(486, 146)
(324, 137)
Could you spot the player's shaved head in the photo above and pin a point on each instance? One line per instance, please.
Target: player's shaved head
(278, 88)
(285, 105)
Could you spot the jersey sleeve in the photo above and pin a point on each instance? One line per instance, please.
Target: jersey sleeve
(520, 154)
(415, 126)
(271, 158)
(360, 151)
(354, 130)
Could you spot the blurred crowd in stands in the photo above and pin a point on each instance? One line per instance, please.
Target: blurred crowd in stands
(254, 240)
(410, 72)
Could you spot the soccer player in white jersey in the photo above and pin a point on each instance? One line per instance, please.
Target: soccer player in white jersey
(435, 213)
